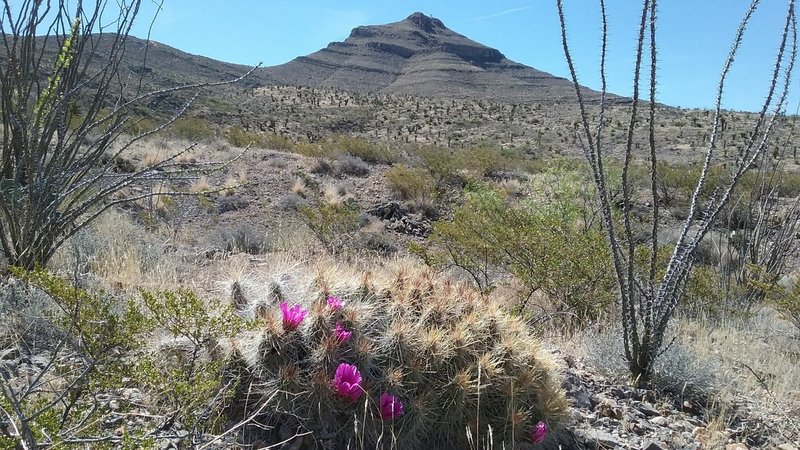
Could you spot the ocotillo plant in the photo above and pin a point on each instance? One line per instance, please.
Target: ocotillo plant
(648, 301)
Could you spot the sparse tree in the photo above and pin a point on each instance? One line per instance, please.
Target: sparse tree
(68, 92)
(648, 301)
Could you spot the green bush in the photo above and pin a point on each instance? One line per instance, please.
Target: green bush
(98, 346)
(361, 148)
(191, 129)
(441, 163)
(140, 125)
(410, 182)
(277, 142)
(484, 161)
(459, 364)
(335, 225)
(186, 376)
(546, 247)
(239, 137)
(789, 184)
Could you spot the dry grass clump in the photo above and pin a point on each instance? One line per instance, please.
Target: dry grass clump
(120, 255)
(722, 362)
(458, 363)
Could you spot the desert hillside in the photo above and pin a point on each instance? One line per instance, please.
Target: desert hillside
(404, 240)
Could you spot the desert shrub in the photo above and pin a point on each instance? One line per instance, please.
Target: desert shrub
(484, 161)
(290, 202)
(680, 371)
(139, 125)
(441, 163)
(361, 148)
(410, 182)
(351, 165)
(786, 298)
(191, 129)
(79, 338)
(93, 348)
(546, 247)
(239, 137)
(277, 142)
(186, 374)
(314, 150)
(789, 184)
(676, 182)
(322, 166)
(334, 224)
(456, 363)
(230, 203)
(243, 238)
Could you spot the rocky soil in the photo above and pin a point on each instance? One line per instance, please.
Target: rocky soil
(610, 416)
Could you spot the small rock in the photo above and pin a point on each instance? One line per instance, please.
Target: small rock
(618, 393)
(681, 425)
(608, 408)
(648, 410)
(652, 446)
(737, 446)
(580, 398)
(695, 422)
(660, 421)
(602, 439)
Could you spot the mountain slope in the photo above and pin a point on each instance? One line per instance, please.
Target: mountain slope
(421, 56)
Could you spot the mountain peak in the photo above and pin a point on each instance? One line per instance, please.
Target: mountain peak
(425, 23)
(420, 56)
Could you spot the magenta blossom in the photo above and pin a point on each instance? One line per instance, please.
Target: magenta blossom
(292, 316)
(347, 382)
(334, 303)
(391, 407)
(341, 333)
(538, 432)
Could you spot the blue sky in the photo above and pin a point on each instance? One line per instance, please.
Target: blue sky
(694, 37)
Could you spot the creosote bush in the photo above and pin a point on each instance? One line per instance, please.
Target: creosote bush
(410, 183)
(399, 358)
(96, 346)
(191, 129)
(548, 248)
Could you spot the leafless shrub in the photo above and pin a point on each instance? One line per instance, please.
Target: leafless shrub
(648, 301)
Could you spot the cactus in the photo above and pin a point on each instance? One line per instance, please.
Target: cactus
(436, 361)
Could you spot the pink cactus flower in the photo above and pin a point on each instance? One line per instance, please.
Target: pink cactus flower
(539, 432)
(334, 303)
(347, 382)
(292, 316)
(391, 407)
(341, 333)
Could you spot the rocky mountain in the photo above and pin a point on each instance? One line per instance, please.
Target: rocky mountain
(421, 56)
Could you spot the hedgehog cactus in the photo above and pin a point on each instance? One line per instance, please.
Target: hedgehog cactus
(434, 361)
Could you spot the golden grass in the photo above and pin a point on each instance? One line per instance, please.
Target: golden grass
(759, 356)
(201, 184)
(299, 188)
(121, 255)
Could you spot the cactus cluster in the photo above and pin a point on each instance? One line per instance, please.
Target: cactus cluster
(438, 366)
